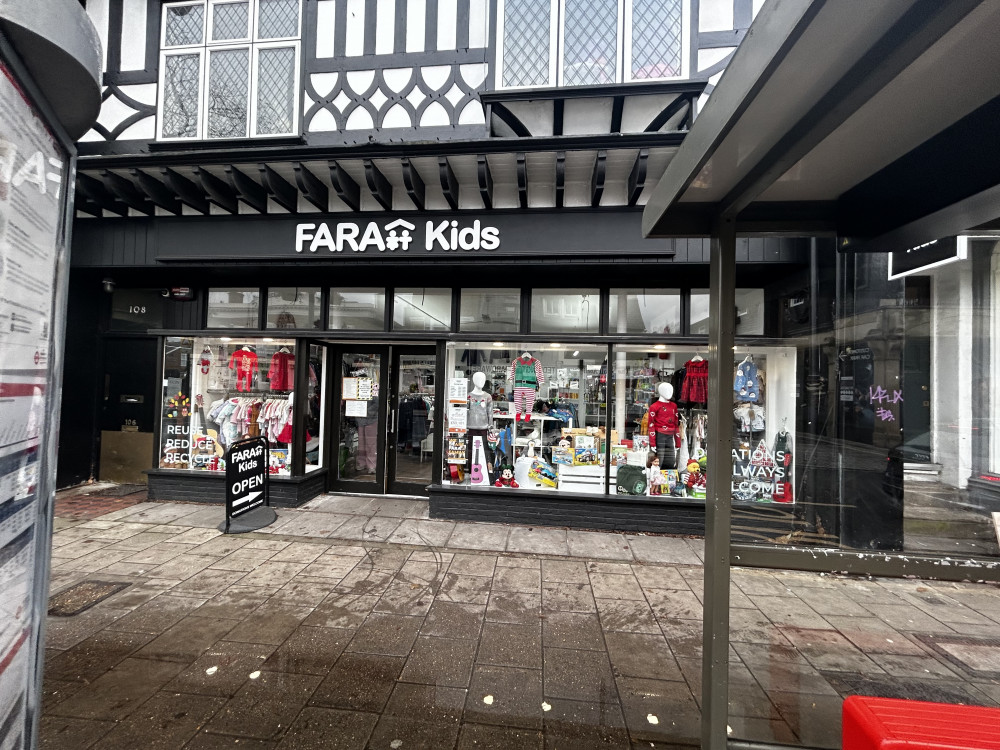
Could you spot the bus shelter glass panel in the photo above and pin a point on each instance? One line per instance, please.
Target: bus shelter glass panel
(895, 456)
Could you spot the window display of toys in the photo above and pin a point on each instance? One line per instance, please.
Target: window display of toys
(505, 478)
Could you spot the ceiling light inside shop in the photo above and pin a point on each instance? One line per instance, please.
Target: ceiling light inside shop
(268, 341)
(498, 343)
(576, 352)
(660, 346)
(555, 346)
(224, 338)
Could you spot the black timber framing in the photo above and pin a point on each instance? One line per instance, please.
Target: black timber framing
(311, 187)
(247, 189)
(345, 186)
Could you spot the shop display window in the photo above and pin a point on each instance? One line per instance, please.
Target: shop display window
(645, 311)
(490, 310)
(568, 422)
(529, 416)
(660, 408)
(421, 310)
(294, 307)
(220, 390)
(234, 307)
(359, 309)
(565, 310)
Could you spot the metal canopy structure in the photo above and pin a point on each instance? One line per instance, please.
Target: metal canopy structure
(874, 122)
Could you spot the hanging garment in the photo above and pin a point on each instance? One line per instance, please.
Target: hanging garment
(683, 454)
(526, 373)
(695, 388)
(281, 374)
(746, 382)
(244, 362)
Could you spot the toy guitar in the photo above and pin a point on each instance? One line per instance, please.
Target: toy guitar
(479, 473)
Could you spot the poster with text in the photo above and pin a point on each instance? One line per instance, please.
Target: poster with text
(31, 246)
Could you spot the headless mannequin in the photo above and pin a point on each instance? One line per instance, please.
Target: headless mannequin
(663, 427)
(480, 414)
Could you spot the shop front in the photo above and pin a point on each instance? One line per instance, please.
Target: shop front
(529, 377)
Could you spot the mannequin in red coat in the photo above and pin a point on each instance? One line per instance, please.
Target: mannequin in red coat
(663, 427)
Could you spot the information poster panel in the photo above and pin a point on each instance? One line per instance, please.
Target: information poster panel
(32, 247)
(246, 477)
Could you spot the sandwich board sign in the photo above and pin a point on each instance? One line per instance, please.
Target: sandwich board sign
(246, 478)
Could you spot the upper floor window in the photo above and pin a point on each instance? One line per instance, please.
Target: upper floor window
(589, 42)
(229, 69)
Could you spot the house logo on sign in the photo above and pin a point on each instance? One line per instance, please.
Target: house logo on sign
(403, 239)
(399, 235)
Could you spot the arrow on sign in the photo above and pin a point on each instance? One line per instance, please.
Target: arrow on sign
(246, 498)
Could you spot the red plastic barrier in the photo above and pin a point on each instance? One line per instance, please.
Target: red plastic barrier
(893, 724)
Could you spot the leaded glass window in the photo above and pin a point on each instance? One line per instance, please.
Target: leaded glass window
(183, 25)
(278, 19)
(657, 38)
(228, 88)
(526, 32)
(275, 90)
(231, 82)
(590, 42)
(180, 95)
(230, 21)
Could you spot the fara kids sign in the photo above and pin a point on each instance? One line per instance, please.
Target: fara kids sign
(246, 477)
(448, 235)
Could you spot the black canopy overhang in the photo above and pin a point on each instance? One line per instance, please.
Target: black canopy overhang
(945, 181)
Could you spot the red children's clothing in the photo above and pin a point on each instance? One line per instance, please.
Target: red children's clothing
(695, 388)
(282, 371)
(662, 419)
(244, 362)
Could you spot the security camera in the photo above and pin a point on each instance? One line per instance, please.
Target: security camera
(164, 293)
(108, 285)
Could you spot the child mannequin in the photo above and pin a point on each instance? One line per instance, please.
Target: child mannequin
(663, 423)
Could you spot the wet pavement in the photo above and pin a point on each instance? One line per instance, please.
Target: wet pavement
(360, 623)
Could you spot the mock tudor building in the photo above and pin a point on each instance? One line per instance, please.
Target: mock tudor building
(401, 240)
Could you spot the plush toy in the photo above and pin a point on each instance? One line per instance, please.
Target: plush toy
(506, 477)
(695, 481)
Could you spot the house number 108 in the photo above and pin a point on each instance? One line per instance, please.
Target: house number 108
(137, 309)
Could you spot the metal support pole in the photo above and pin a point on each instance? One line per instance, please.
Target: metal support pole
(718, 501)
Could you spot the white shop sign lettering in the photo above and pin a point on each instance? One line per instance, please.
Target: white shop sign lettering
(360, 237)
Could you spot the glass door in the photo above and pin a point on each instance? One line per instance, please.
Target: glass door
(410, 436)
(359, 454)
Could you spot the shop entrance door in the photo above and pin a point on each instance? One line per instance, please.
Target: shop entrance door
(127, 412)
(383, 419)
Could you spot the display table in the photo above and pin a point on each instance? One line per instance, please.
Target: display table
(589, 479)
